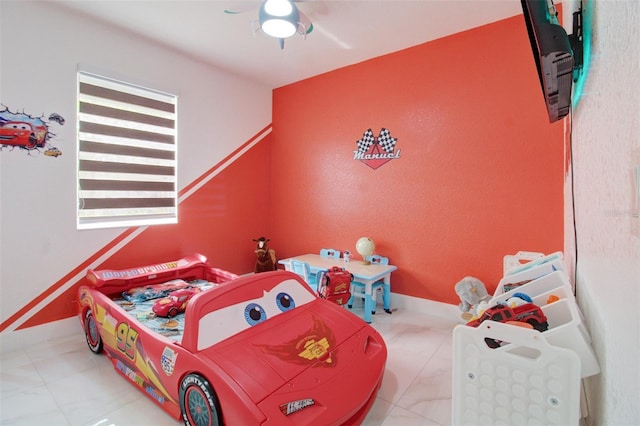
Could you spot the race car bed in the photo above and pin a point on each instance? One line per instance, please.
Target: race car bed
(137, 290)
(214, 348)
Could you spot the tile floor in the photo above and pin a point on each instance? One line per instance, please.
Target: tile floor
(60, 382)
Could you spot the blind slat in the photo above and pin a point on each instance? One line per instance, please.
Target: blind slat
(133, 151)
(126, 185)
(119, 114)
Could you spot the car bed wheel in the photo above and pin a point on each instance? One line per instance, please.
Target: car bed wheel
(94, 341)
(198, 402)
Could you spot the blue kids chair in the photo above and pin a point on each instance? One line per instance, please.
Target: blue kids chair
(330, 253)
(357, 288)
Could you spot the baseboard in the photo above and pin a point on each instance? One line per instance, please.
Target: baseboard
(432, 307)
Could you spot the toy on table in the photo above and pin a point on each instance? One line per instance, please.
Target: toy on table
(266, 257)
(471, 292)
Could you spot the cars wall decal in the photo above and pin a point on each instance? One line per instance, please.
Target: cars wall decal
(28, 133)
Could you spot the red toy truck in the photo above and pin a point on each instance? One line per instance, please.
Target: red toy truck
(528, 312)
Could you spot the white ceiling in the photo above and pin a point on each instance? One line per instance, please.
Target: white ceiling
(345, 31)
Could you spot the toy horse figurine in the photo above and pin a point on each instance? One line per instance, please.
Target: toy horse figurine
(266, 256)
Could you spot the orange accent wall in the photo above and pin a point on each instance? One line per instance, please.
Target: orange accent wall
(480, 173)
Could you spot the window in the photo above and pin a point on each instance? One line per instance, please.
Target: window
(126, 154)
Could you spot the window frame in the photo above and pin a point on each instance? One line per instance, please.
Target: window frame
(127, 154)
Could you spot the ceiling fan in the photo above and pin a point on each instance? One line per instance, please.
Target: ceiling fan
(279, 19)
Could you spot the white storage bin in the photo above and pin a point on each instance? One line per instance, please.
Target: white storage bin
(566, 323)
(511, 262)
(566, 330)
(535, 377)
(532, 271)
(561, 292)
(540, 285)
(531, 383)
(555, 259)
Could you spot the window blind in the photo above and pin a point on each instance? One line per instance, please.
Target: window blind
(126, 154)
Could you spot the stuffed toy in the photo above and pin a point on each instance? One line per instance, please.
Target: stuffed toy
(266, 257)
(471, 292)
(479, 309)
(518, 299)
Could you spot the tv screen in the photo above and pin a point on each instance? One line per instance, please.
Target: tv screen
(553, 56)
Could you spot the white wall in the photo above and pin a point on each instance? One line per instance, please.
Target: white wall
(42, 46)
(606, 147)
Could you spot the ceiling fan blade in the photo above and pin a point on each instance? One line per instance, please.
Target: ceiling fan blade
(239, 10)
(305, 23)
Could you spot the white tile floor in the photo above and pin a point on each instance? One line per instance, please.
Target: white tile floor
(60, 382)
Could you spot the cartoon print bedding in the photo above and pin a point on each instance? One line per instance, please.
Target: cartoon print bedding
(139, 301)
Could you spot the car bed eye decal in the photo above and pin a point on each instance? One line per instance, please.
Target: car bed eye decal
(254, 314)
(285, 302)
(218, 325)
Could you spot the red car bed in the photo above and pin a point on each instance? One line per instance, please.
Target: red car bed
(252, 350)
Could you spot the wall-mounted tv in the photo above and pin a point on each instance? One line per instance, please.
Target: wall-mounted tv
(553, 52)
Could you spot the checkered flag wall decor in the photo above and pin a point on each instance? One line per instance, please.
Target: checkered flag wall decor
(386, 141)
(376, 151)
(366, 141)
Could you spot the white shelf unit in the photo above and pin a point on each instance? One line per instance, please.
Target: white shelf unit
(544, 368)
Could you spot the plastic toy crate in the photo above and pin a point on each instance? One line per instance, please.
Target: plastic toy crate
(541, 284)
(532, 377)
(548, 277)
(567, 330)
(537, 268)
(512, 264)
(529, 381)
(566, 323)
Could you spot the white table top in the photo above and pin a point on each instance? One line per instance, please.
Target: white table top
(372, 272)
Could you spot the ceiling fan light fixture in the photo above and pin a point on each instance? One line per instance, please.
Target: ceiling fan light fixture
(278, 7)
(279, 26)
